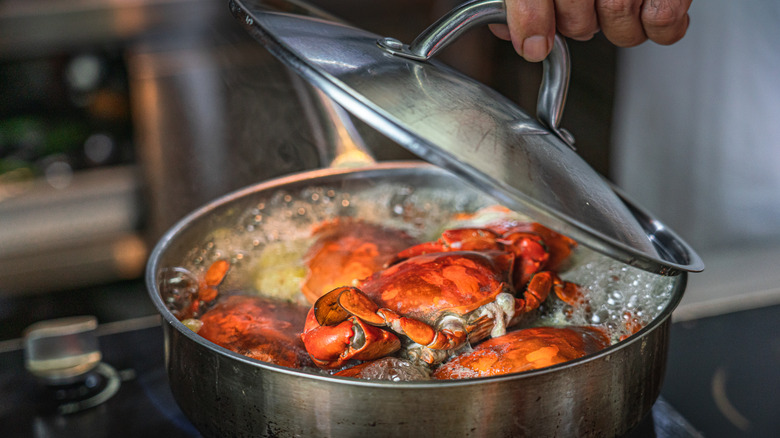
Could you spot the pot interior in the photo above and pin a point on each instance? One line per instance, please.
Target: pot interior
(264, 230)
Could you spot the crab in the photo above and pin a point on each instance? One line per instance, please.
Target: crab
(437, 296)
(258, 328)
(348, 250)
(524, 350)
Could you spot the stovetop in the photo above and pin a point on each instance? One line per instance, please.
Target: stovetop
(142, 407)
(722, 380)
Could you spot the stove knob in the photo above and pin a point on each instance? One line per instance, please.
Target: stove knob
(62, 351)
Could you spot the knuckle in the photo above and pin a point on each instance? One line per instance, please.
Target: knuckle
(620, 21)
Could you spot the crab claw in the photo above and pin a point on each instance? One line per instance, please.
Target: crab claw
(333, 337)
(537, 291)
(350, 303)
(540, 286)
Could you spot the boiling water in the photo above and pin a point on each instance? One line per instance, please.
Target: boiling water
(265, 243)
(618, 297)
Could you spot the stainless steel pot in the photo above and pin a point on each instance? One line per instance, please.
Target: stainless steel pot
(530, 167)
(226, 394)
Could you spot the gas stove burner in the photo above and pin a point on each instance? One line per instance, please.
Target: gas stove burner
(99, 385)
(64, 355)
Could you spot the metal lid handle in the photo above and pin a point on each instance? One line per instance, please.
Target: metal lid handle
(556, 67)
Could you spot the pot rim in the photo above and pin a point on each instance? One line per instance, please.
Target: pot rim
(170, 236)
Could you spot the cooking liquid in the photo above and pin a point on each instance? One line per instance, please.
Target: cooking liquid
(267, 242)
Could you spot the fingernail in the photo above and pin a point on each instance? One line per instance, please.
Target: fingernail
(535, 48)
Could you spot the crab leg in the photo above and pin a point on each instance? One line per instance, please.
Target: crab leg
(536, 292)
(213, 278)
(541, 285)
(531, 253)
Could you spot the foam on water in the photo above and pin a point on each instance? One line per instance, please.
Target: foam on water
(618, 297)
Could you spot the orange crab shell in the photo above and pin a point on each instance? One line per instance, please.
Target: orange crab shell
(524, 350)
(258, 328)
(416, 292)
(425, 286)
(349, 250)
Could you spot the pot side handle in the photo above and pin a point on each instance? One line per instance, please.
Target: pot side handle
(556, 67)
(349, 149)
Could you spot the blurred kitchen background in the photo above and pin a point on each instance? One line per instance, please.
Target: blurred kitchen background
(118, 117)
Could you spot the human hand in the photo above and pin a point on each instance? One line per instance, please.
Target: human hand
(531, 24)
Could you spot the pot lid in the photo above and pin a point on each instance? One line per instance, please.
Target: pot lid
(466, 127)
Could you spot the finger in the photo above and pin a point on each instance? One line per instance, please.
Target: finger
(620, 21)
(665, 21)
(576, 19)
(500, 31)
(531, 27)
